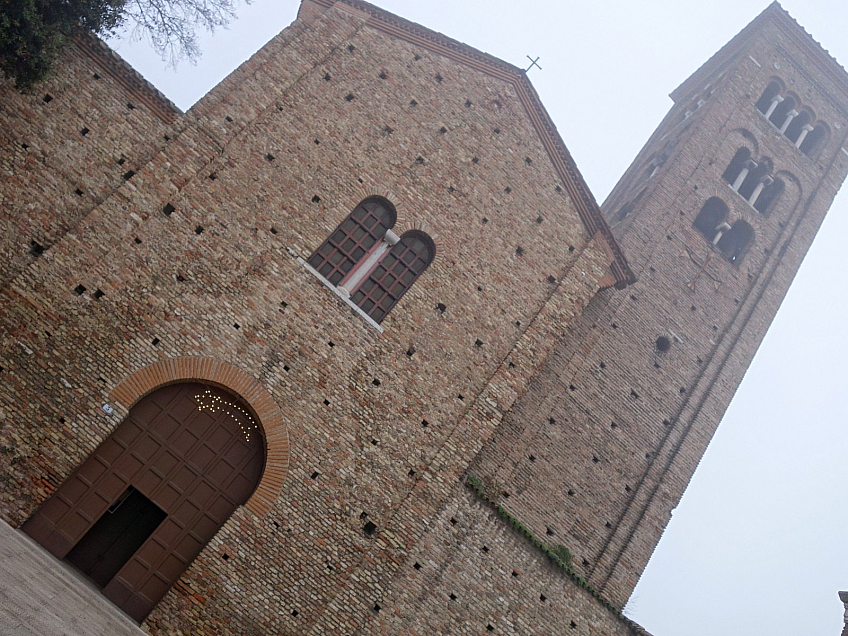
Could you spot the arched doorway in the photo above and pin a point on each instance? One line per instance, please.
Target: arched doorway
(143, 505)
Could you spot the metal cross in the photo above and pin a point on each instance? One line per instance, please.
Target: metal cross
(533, 63)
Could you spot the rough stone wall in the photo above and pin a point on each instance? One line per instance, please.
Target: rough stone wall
(65, 147)
(381, 424)
(600, 449)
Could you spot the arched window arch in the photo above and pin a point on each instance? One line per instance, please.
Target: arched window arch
(814, 140)
(797, 125)
(710, 217)
(736, 165)
(771, 191)
(395, 274)
(734, 241)
(781, 111)
(772, 91)
(758, 174)
(356, 236)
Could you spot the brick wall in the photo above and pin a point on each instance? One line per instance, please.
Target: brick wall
(381, 424)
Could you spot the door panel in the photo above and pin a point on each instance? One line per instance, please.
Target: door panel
(188, 451)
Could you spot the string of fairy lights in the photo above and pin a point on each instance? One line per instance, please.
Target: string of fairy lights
(208, 401)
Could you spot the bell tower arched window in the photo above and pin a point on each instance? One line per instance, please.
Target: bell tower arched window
(357, 235)
(734, 241)
(395, 274)
(711, 217)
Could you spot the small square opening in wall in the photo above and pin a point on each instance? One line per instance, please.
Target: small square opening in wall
(79, 290)
(270, 157)
(326, 402)
(425, 423)
(130, 106)
(377, 608)
(410, 352)
(351, 48)
(549, 532)
(236, 325)
(155, 341)
(331, 343)
(129, 174)
(485, 549)
(84, 131)
(411, 473)
(543, 598)
(532, 458)
(412, 102)
(478, 343)
(443, 130)
(552, 279)
(558, 189)
(369, 528)
(226, 556)
(198, 229)
(468, 103)
(315, 475)
(460, 396)
(47, 98)
(327, 77)
(121, 161)
(168, 210)
(273, 230)
(514, 573)
(295, 613)
(375, 382)
(573, 625)
(316, 199)
(416, 565)
(453, 521)
(519, 250)
(78, 192)
(570, 493)
(213, 176)
(98, 294)
(497, 131)
(229, 119)
(489, 628)
(349, 97)
(452, 596)
(439, 78)
(539, 219)
(286, 368)
(36, 249)
(507, 189)
(383, 75)
(441, 307)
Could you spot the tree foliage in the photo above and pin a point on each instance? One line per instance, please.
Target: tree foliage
(33, 32)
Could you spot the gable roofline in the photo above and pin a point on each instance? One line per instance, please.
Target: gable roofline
(573, 182)
(775, 14)
(119, 70)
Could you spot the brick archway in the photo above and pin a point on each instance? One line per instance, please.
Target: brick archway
(211, 371)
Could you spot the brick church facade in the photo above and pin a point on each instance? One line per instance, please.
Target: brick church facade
(349, 347)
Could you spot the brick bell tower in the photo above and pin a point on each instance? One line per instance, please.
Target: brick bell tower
(715, 215)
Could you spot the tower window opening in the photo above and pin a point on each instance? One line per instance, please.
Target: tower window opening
(814, 140)
(770, 96)
(711, 217)
(734, 241)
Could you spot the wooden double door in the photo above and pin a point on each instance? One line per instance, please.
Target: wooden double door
(136, 513)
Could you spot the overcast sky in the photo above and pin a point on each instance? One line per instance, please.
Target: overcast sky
(758, 543)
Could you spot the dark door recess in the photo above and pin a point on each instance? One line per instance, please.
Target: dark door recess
(136, 513)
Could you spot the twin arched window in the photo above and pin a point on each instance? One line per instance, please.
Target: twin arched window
(730, 240)
(752, 180)
(365, 259)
